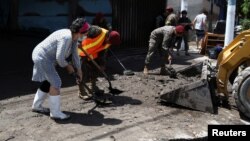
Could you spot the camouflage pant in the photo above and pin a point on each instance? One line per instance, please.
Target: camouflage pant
(153, 47)
(90, 74)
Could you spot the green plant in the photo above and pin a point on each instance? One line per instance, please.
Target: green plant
(245, 24)
(246, 11)
(246, 8)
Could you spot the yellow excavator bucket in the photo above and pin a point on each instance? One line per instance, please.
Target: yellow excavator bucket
(196, 95)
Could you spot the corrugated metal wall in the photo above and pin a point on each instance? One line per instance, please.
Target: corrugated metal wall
(135, 19)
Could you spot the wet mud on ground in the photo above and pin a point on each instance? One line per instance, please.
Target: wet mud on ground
(136, 114)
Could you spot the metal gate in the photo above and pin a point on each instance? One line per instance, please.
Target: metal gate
(135, 19)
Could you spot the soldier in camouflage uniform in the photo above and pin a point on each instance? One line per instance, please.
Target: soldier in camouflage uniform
(172, 18)
(162, 40)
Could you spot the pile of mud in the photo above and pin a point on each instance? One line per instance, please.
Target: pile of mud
(148, 88)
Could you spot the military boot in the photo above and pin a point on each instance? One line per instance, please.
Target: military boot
(83, 94)
(163, 71)
(171, 72)
(94, 88)
(98, 94)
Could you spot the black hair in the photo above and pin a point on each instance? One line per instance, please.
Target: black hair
(94, 31)
(77, 25)
(184, 12)
(204, 11)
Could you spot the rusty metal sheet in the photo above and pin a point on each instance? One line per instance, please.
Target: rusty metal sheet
(135, 19)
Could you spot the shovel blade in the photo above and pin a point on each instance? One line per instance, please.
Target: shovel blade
(114, 91)
(128, 72)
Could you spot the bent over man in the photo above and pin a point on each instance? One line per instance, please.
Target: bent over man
(162, 40)
(97, 42)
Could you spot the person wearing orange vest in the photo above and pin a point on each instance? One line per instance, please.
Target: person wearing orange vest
(96, 43)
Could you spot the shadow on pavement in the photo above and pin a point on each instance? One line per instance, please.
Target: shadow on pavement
(93, 118)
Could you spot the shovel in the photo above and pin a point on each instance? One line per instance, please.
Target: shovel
(125, 72)
(111, 89)
(98, 101)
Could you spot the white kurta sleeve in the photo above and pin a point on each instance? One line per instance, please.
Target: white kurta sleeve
(75, 56)
(62, 46)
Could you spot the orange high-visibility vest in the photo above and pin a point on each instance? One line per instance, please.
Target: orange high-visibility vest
(94, 45)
